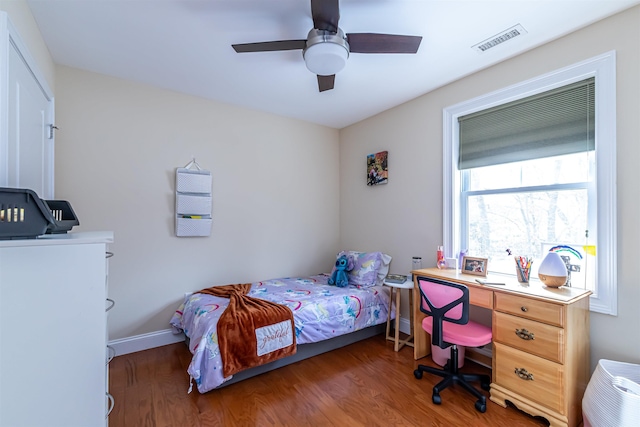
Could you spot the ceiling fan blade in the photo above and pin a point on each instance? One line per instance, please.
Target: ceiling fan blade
(326, 82)
(270, 46)
(382, 43)
(326, 14)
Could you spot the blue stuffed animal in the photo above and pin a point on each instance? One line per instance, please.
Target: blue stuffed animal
(339, 276)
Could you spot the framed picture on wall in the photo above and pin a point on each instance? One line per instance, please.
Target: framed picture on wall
(477, 266)
(377, 172)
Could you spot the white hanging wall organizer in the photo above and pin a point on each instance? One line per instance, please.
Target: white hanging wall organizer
(193, 201)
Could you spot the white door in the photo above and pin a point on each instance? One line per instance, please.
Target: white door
(26, 116)
(30, 150)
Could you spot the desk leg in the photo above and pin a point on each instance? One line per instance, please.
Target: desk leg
(421, 339)
(411, 328)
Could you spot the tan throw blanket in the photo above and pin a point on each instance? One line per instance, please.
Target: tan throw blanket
(251, 331)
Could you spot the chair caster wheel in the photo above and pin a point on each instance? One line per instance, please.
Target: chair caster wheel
(485, 386)
(418, 374)
(481, 406)
(437, 399)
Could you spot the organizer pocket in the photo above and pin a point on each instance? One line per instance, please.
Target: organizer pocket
(190, 181)
(193, 204)
(193, 227)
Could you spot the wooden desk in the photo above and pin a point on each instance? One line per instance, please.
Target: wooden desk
(540, 347)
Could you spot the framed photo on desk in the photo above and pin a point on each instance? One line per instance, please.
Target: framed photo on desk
(475, 266)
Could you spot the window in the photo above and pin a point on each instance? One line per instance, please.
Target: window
(510, 183)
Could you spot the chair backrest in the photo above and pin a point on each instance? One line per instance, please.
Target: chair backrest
(445, 302)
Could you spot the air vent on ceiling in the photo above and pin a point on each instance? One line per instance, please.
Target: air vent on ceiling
(506, 35)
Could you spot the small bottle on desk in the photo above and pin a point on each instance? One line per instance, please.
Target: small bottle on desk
(441, 263)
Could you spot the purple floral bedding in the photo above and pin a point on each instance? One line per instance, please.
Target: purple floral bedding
(320, 312)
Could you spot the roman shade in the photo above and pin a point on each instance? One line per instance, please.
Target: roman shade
(556, 122)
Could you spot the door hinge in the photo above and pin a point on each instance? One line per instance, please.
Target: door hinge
(51, 129)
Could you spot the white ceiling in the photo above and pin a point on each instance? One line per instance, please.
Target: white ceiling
(185, 46)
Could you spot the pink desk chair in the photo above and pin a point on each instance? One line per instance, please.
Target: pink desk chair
(447, 307)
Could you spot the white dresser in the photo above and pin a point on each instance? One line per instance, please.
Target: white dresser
(53, 330)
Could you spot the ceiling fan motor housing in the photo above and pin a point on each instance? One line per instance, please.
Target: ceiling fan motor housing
(326, 52)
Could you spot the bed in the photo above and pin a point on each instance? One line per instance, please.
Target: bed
(324, 317)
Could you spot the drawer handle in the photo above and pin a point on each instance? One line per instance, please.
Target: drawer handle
(108, 254)
(524, 334)
(111, 302)
(522, 373)
(524, 309)
(112, 403)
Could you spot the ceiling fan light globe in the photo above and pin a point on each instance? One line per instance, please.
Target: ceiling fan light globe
(325, 59)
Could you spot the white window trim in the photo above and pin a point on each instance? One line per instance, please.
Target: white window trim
(603, 68)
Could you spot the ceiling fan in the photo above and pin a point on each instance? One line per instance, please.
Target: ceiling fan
(327, 47)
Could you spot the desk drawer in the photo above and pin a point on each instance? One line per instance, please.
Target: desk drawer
(529, 336)
(480, 297)
(546, 312)
(532, 377)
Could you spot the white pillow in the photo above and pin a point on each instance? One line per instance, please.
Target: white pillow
(384, 268)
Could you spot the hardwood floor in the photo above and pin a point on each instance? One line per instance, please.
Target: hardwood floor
(363, 384)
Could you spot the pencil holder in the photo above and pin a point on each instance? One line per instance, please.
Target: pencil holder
(522, 272)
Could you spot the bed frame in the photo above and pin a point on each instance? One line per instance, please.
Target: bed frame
(305, 351)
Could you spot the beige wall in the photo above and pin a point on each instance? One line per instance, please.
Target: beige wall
(22, 19)
(275, 181)
(404, 217)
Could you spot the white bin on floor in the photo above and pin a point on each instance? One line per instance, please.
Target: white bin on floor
(612, 397)
(441, 355)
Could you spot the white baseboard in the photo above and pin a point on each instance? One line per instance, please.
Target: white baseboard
(405, 326)
(145, 341)
(485, 350)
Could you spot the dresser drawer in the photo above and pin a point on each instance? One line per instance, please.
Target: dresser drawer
(529, 336)
(531, 377)
(542, 311)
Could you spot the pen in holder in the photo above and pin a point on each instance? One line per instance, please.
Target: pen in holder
(523, 268)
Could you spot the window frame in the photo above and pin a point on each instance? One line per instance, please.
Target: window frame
(603, 68)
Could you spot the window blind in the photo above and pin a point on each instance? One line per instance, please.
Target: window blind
(556, 122)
